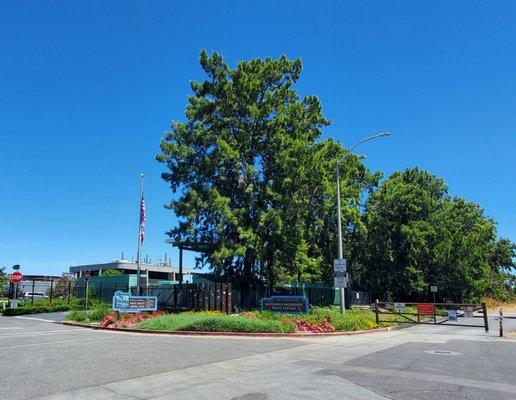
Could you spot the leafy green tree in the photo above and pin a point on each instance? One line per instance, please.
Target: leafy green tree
(63, 287)
(111, 272)
(470, 262)
(4, 280)
(418, 236)
(253, 178)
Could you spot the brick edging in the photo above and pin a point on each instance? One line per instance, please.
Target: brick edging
(235, 334)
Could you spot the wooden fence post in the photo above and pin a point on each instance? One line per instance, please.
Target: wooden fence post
(51, 290)
(229, 300)
(486, 322)
(33, 284)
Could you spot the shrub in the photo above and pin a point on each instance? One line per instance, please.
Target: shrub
(80, 303)
(99, 312)
(95, 314)
(77, 315)
(24, 310)
(127, 320)
(44, 306)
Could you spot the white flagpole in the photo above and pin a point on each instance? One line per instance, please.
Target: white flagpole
(138, 267)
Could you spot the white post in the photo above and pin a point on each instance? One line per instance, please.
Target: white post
(501, 322)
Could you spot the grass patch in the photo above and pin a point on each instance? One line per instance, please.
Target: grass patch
(494, 305)
(214, 322)
(317, 319)
(355, 319)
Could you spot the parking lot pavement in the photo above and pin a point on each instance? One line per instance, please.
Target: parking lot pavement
(452, 370)
(423, 362)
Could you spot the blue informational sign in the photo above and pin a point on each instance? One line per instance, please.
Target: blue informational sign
(452, 315)
(126, 302)
(285, 304)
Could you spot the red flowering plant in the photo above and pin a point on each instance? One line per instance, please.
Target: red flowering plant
(324, 326)
(127, 320)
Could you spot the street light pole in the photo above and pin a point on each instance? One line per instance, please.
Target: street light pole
(339, 218)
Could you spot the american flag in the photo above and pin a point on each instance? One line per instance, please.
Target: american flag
(142, 220)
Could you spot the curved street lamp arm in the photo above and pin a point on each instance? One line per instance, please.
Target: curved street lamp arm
(348, 152)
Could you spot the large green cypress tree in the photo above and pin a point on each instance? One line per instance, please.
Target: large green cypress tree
(252, 176)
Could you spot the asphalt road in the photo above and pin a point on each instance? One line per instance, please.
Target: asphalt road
(43, 359)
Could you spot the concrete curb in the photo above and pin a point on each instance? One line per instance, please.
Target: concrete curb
(228, 334)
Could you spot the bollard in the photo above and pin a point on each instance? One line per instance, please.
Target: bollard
(501, 322)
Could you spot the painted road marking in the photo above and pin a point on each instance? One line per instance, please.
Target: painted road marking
(39, 333)
(55, 342)
(10, 328)
(36, 319)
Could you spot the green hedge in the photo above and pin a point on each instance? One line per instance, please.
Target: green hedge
(35, 309)
(57, 305)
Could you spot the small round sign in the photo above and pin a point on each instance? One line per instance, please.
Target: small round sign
(16, 277)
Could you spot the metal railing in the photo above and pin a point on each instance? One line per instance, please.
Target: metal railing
(431, 313)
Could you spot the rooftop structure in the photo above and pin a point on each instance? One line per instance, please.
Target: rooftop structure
(158, 271)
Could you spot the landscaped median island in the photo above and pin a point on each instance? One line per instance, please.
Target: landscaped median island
(318, 320)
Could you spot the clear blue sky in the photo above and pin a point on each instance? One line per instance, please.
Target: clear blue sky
(87, 89)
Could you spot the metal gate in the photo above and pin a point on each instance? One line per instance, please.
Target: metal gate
(449, 314)
(193, 297)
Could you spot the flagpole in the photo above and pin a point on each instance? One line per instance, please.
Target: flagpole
(138, 266)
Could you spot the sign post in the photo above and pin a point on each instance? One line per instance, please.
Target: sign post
(15, 278)
(340, 280)
(87, 276)
(433, 289)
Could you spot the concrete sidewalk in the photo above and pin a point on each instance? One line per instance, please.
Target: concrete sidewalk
(408, 364)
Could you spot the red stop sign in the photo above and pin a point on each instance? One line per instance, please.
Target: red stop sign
(16, 277)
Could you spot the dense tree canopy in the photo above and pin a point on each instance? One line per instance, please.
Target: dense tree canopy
(252, 176)
(63, 287)
(419, 236)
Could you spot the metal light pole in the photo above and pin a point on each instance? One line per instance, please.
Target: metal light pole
(138, 256)
(339, 224)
